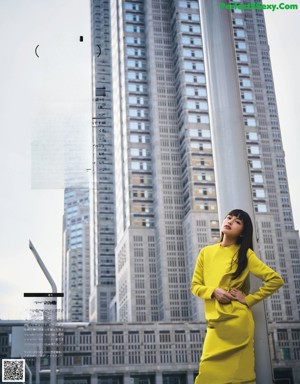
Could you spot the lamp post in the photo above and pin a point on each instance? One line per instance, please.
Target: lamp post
(229, 145)
(29, 373)
(53, 313)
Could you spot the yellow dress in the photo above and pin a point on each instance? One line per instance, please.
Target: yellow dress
(228, 350)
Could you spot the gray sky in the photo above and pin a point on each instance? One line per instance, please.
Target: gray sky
(39, 95)
(283, 29)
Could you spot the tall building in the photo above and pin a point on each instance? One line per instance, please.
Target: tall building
(103, 182)
(76, 255)
(154, 199)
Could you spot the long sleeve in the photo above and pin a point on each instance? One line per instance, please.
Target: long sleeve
(272, 280)
(198, 286)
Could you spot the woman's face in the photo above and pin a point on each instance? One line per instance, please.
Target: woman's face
(232, 226)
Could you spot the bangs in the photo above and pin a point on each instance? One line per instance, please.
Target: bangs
(239, 213)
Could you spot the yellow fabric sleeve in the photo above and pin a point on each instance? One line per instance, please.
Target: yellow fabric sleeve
(272, 280)
(197, 286)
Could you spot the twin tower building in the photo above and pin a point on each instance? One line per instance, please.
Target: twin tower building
(132, 238)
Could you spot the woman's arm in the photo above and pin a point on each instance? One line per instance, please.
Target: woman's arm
(272, 280)
(197, 287)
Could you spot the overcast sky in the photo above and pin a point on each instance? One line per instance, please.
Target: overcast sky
(43, 102)
(53, 93)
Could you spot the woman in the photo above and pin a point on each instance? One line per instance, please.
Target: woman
(221, 277)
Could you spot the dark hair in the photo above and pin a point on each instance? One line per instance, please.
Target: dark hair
(245, 240)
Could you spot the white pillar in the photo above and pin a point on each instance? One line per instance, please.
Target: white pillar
(190, 378)
(53, 311)
(127, 379)
(229, 144)
(94, 378)
(37, 366)
(158, 378)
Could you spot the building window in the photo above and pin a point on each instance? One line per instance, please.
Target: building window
(261, 208)
(259, 193)
(253, 150)
(242, 57)
(250, 122)
(244, 70)
(245, 83)
(248, 108)
(239, 33)
(252, 136)
(240, 45)
(256, 164)
(238, 22)
(247, 96)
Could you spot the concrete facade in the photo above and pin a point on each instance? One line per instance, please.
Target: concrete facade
(141, 353)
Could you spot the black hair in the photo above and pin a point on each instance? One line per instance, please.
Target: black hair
(245, 240)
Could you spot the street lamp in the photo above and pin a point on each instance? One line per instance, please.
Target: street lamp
(53, 314)
(29, 373)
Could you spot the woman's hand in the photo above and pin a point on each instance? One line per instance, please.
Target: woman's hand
(223, 296)
(238, 295)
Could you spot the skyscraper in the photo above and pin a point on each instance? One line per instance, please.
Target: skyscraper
(103, 183)
(76, 255)
(154, 195)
